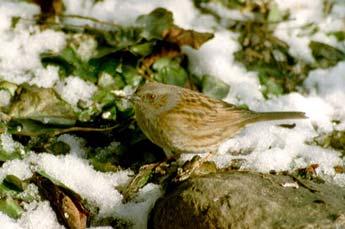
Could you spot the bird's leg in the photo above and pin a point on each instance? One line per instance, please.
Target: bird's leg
(190, 167)
(145, 174)
(162, 166)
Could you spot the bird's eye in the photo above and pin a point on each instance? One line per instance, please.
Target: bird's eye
(151, 96)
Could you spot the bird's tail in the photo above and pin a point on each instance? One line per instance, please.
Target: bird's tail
(268, 116)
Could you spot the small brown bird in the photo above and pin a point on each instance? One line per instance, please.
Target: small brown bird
(180, 120)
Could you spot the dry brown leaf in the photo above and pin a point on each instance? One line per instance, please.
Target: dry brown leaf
(67, 205)
(311, 169)
(169, 51)
(50, 7)
(75, 218)
(339, 169)
(181, 37)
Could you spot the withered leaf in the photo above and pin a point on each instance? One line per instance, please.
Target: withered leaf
(42, 105)
(160, 24)
(155, 23)
(326, 55)
(50, 8)
(139, 181)
(74, 218)
(67, 205)
(181, 37)
(339, 169)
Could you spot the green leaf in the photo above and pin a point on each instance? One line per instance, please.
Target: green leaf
(103, 51)
(109, 114)
(214, 87)
(339, 35)
(71, 63)
(105, 80)
(155, 23)
(42, 173)
(59, 148)
(124, 107)
(14, 183)
(275, 14)
(6, 191)
(142, 49)
(131, 75)
(104, 166)
(43, 105)
(108, 72)
(10, 87)
(10, 207)
(29, 127)
(270, 86)
(326, 55)
(104, 97)
(107, 156)
(139, 181)
(169, 71)
(5, 156)
(159, 24)
(16, 152)
(122, 38)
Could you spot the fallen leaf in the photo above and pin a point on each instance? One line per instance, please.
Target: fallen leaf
(67, 205)
(11, 207)
(42, 105)
(181, 37)
(139, 181)
(49, 9)
(325, 55)
(339, 169)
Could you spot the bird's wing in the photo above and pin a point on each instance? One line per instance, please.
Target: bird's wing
(200, 121)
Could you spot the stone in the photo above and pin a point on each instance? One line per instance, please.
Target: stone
(250, 200)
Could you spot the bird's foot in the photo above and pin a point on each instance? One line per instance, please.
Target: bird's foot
(195, 166)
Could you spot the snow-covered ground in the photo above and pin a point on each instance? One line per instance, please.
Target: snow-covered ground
(271, 147)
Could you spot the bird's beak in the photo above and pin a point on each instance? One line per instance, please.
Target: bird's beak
(134, 98)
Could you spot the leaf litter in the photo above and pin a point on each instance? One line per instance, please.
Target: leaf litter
(121, 58)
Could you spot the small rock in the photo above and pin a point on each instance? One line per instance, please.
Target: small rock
(250, 200)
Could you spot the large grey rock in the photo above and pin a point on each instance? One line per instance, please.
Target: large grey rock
(250, 200)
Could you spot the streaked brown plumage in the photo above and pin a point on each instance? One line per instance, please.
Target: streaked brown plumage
(180, 120)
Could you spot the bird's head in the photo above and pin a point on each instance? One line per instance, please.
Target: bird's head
(155, 97)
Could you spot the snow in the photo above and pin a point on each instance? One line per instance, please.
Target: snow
(77, 145)
(73, 89)
(244, 85)
(5, 98)
(184, 12)
(45, 77)
(8, 223)
(101, 191)
(138, 209)
(227, 15)
(16, 167)
(7, 143)
(39, 216)
(20, 52)
(296, 35)
(329, 84)
(262, 147)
